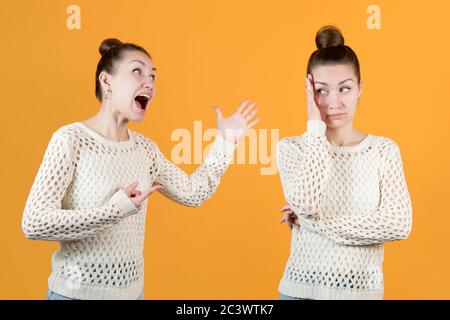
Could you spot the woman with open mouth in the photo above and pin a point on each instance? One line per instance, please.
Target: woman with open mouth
(92, 188)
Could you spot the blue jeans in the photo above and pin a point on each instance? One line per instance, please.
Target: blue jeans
(54, 296)
(285, 297)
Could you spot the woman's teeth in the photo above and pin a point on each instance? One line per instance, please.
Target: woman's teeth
(144, 95)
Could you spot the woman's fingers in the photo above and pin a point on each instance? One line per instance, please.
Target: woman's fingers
(309, 87)
(286, 219)
(242, 106)
(130, 188)
(288, 211)
(249, 108)
(295, 220)
(286, 207)
(147, 193)
(313, 109)
(139, 197)
(135, 193)
(289, 223)
(156, 187)
(251, 115)
(252, 124)
(292, 219)
(219, 115)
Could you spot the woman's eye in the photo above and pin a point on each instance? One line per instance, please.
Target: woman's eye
(153, 77)
(138, 70)
(345, 89)
(320, 91)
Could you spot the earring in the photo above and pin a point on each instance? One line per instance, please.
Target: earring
(108, 93)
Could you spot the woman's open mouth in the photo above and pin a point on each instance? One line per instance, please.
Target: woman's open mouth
(142, 101)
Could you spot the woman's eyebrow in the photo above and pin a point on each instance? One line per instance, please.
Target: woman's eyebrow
(139, 61)
(326, 84)
(349, 79)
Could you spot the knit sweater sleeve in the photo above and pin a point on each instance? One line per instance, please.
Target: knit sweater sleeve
(192, 190)
(390, 222)
(304, 165)
(43, 216)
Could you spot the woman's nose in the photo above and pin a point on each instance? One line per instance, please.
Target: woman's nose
(333, 101)
(148, 83)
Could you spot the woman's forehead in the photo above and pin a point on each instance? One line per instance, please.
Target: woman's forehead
(132, 57)
(333, 73)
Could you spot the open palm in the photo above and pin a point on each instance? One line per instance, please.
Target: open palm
(313, 109)
(235, 126)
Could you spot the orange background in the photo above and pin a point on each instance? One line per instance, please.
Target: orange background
(220, 52)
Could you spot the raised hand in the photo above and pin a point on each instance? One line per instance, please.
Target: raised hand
(313, 109)
(235, 126)
(138, 197)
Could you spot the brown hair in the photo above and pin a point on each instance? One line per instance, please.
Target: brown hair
(112, 51)
(331, 51)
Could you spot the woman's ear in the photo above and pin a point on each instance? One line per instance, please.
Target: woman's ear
(104, 80)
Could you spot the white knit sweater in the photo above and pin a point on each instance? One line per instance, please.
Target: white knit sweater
(76, 199)
(349, 201)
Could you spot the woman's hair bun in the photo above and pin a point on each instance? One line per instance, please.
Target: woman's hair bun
(109, 44)
(329, 36)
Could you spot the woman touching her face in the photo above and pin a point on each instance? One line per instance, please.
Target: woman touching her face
(345, 189)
